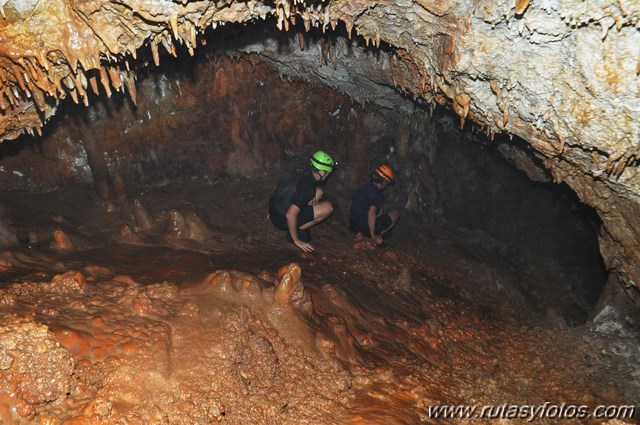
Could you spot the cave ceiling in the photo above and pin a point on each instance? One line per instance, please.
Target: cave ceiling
(562, 75)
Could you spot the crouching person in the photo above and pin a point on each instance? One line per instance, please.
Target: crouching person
(295, 206)
(367, 215)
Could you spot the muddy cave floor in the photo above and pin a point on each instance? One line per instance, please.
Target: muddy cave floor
(136, 293)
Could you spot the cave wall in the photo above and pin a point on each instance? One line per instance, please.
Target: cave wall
(215, 116)
(543, 230)
(233, 116)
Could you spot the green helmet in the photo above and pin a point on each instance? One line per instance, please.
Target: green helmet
(322, 161)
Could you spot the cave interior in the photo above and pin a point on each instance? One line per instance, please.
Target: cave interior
(135, 244)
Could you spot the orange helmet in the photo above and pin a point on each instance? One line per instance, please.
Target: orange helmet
(385, 173)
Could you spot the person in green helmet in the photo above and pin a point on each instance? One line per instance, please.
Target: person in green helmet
(295, 205)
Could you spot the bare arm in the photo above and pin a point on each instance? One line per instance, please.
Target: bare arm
(292, 224)
(371, 220)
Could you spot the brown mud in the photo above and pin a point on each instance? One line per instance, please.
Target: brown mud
(180, 304)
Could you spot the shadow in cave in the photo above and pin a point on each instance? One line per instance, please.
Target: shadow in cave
(512, 213)
(11, 148)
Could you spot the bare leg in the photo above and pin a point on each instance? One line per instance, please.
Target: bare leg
(321, 211)
(395, 215)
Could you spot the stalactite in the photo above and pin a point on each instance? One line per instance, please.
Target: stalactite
(192, 34)
(173, 21)
(521, 6)
(38, 98)
(154, 52)
(9, 95)
(104, 79)
(74, 95)
(81, 84)
(349, 26)
(129, 81)
(93, 82)
(20, 79)
(114, 75)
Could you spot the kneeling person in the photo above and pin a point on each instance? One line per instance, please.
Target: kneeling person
(366, 215)
(295, 205)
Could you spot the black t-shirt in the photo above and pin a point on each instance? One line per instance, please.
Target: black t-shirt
(298, 187)
(364, 196)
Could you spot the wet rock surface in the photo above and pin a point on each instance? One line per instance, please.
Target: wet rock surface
(34, 368)
(240, 327)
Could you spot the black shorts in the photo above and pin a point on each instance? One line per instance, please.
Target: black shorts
(279, 221)
(382, 223)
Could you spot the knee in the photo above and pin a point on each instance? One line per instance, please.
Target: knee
(327, 208)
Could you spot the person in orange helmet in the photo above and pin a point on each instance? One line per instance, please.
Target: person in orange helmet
(367, 215)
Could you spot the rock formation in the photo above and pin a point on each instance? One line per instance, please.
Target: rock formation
(561, 75)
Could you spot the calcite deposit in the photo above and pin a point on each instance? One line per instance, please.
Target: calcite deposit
(34, 367)
(123, 352)
(229, 323)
